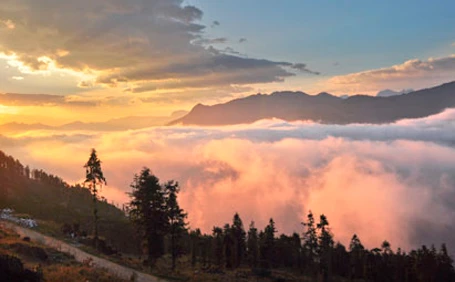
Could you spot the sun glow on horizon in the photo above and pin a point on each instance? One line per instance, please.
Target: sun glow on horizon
(7, 110)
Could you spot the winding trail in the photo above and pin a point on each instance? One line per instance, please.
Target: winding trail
(114, 268)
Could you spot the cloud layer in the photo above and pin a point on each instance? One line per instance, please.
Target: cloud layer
(393, 182)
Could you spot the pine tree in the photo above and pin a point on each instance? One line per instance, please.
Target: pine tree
(239, 236)
(253, 246)
(267, 245)
(218, 246)
(325, 247)
(310, 244)
(147, 209)
(356, 250)
(176, 218)
(94, 178)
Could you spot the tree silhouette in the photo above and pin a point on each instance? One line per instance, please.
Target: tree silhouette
(94, 178)
(310, 244)
(325, 248)
(218, 246)
(176, 218)
(267, 245)
(252, 245)
(239, 236)
(147, 209)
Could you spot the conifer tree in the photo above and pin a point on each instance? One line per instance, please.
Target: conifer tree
(94, 178)
(310, 244)
(147, 209)
(176, 218)
(239, 236)
(253, 246)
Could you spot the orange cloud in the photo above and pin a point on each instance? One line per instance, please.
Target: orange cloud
(379, 181)
(410, 74)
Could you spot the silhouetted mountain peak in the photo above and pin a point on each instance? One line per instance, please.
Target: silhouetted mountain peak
(324, 107)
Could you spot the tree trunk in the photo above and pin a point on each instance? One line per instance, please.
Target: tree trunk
(95, 215)
(173, 250)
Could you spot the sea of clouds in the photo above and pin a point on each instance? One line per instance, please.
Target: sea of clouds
(391, 181)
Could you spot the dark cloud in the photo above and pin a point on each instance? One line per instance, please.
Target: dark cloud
(232, 51)
(207, 41)
(128, 41)
(242, 40)
(303, 68)
(215, 70)
(13, 99)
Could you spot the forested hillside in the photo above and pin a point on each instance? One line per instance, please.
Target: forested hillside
(47, 197)
(154, 223)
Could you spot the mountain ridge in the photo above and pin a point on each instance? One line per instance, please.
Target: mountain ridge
(115, 124)
(324, 107)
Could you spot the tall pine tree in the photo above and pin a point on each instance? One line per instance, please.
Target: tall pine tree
(94, 178)
(176, 218)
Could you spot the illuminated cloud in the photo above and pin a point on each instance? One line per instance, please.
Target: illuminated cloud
(379, 181)
(131, 44)
(413, 73)
(8, 24)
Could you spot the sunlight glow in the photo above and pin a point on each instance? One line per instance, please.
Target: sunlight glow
(7, 110)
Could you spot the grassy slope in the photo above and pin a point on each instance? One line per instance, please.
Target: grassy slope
(55, 266)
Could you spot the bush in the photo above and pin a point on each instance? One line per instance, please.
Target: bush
(12, 269)
(30, 251)
(262, 272)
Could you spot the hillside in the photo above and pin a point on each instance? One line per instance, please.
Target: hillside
(24, 259)
(324, 107)
(47, 197)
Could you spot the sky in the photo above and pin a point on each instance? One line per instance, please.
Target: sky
(135, 61)
(151, 58)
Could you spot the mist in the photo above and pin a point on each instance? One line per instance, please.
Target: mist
(392, 182)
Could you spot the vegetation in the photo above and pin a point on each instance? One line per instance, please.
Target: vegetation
(228, 253)
(25, 190)
(25, 260)
(94, 178)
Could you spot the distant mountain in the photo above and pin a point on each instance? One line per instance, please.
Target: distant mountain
(389, 93)
(118, 124)
(324, 107)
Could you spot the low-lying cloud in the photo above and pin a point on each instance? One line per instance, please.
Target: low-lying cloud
(393, 182)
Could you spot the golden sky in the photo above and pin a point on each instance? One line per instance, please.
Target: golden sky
(113, 59)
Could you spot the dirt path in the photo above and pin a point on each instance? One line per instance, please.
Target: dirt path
(119, 270)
